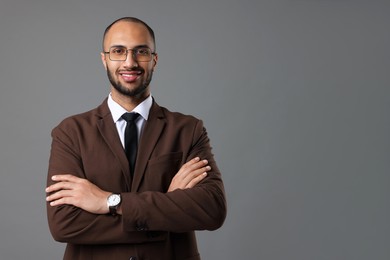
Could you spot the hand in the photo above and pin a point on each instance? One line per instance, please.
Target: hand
(78, 192)
(190, 174)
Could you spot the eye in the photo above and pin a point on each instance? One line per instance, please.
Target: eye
(118, 51)
(142, 52)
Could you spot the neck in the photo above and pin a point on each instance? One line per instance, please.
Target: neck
(128, 102)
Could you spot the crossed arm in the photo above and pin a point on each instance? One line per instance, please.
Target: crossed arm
(77, 202)
(71, 190)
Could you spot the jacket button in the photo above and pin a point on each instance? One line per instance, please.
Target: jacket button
(152, 234)
(141, 228)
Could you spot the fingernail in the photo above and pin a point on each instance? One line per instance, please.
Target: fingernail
(208, 168)
(205, 161)
(54, 177)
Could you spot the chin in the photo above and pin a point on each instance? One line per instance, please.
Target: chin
(138, 91)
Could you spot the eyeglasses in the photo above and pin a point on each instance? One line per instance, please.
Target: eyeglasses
(119, 53)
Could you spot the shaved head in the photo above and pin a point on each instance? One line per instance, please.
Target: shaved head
(131, 20)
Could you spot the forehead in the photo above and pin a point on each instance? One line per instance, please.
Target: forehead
(128, 34)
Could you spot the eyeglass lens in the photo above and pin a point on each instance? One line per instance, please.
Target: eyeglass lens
(139, 54)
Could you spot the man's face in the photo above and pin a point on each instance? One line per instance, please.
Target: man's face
(130, 77)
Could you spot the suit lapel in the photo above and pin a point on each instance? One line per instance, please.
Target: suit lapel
(150, 136)
(110, 135)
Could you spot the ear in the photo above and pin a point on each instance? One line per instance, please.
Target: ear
(155, 59)
(103, 57)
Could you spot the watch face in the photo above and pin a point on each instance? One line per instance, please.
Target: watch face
(114, 200)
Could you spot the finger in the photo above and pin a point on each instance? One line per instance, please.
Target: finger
(195, 165)
(195, 160)
(63, 185)
(62, 201)
(66, 177)
(199, 164)
(196, 180)
(190, 163)
(195, 173)
(58, 195)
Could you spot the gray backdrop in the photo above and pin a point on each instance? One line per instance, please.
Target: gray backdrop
(295, 96)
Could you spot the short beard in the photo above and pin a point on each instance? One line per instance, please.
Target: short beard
(129, 92)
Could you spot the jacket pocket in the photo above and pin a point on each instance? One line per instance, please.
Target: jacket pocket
(161, 170)
(169, 157)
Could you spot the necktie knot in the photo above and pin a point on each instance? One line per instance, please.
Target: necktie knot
(130, 117)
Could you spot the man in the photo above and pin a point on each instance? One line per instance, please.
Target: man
(104, 203)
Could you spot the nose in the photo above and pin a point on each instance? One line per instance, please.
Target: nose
(130, 60)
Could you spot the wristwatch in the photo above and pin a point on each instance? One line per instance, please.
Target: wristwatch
(113, 202)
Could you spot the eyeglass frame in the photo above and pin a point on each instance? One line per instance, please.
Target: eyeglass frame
(132, 52)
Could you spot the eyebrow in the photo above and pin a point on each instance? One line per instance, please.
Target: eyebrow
(135, 47)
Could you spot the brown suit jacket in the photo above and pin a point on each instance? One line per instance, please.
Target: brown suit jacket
(155, 224)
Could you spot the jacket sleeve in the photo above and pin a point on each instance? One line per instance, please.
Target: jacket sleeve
(145, 212)
(202, 207)
(74, 225)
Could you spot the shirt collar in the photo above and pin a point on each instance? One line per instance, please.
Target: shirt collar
(117, 110)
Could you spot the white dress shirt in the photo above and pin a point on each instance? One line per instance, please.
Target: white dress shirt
(117, 111)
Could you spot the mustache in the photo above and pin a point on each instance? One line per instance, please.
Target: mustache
(136, 69)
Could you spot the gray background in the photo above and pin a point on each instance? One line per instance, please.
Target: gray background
(295, 96)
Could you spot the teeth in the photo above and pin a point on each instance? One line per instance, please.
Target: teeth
(133, 74)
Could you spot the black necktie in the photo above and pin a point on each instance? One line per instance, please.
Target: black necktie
(131, 139)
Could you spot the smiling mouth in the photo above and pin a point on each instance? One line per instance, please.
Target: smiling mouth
(130, 76)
